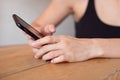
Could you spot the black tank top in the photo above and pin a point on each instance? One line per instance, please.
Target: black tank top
(90, 26)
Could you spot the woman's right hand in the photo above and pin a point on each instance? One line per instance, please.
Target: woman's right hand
(45, 30)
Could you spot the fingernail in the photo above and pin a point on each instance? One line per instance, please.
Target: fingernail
(52, 30)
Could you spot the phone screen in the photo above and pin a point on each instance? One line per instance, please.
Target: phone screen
(24, 26)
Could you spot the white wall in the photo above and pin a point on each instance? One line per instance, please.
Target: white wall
(28, 10)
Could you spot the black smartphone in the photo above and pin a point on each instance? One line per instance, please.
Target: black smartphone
(28, 29)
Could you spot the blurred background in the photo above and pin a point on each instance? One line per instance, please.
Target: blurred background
(29, 10)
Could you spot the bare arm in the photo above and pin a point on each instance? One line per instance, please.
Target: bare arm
(66, 48)
(55, 13)
(110, 47)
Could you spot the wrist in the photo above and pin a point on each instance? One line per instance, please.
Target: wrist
(96, 49)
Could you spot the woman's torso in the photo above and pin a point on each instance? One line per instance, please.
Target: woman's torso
(97, 18)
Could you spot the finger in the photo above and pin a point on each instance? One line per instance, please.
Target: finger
(51, 55)
(44, 41)
(45, 49)
(35, 50)
(50, 29)
(30, 41)
(37, 26)
(58, 59)
(47, 30)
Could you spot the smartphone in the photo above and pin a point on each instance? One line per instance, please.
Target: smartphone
(28, 29)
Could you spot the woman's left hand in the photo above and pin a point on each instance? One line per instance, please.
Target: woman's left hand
(65, 48)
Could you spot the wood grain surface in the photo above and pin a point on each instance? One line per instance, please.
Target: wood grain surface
(14, 59)
(17, 63)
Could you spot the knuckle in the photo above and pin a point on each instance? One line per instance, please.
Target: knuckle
(64, 44)
(51, 54)
(49, 38)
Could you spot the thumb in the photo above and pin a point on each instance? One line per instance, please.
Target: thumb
(50, 29)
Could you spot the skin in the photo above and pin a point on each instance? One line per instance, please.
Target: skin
(66, 48)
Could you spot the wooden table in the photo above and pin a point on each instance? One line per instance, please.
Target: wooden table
(18, 63)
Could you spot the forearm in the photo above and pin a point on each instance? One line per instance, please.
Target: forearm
(110, 47)
(54, 14)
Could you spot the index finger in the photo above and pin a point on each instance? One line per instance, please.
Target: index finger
(45, 40)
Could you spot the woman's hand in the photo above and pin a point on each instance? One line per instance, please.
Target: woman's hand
(65, 48)
(45, 30)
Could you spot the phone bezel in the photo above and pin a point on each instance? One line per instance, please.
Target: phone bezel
(28, 29)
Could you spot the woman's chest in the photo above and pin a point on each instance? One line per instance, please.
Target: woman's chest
(108, 11)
